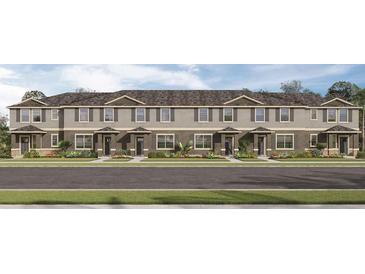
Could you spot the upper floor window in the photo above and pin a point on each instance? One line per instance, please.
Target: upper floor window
(54, 114)
(24, 115)
(331, 115)
(284, 114)
(203, 115)
(165, 114)
(108, 114)
(259, 115)
(84, 115)
(314, 114)
(313, 140)
(228, 114)
(140, 114)
(343, 115)
(36, 115)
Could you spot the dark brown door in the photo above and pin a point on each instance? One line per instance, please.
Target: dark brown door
(24, 144)
(107, 141)
(261, 146)
(344, 145)
(140, 146)
(228, 145)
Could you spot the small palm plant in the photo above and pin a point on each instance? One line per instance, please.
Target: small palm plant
(64, 145)
(184, 150)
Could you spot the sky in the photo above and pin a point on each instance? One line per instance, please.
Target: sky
(54, 79)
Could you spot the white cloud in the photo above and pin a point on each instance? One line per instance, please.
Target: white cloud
(9, 95)
(7, 73)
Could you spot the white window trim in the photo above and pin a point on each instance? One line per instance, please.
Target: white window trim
(205, 134)
(58, 112)
(284, 134)
(335, 115)
(56, 134)
(88, 115)
(224, 116)
(312, 109)
(288, 116)
(169, 121)
(347, 115)
(173, 141)
(112, 121)
(92, 141)
(40, 116)
(21, 116)
(310, 140)
(264, 116)
(144, 115)
(200, 121)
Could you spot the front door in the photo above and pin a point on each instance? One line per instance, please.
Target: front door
(344, 145)
(228, 145)
(261, 144)
(107, 141)
(140, 146)
(24, 144)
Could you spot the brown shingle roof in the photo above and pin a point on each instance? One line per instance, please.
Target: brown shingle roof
(340, 129)
(26, 129)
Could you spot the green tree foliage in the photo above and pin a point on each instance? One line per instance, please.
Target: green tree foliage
(4, 137)
(294, 86)
(343, 89)
(35, 94)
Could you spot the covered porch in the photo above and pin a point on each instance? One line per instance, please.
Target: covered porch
(26, 138)
(261, 140)
(106, 141)
(341, 140)
(229, 140)
(140, 141)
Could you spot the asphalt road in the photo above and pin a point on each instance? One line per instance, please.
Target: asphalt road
(181, 178)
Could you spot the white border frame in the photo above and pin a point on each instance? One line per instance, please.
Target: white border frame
(310, 114)
(200, 121)
(224, 121)
(205, 134)
(85, 134)
(335, 115)
(58, 140)
(112, 114)
(169, 121)
(58, 113)
(20, 142)
(264, 115)
(288, 116)
(310, 139)
(339, 115)
(88, 115)
(144, 115)
(21, 116)
(164, 134)
(40, 116)
(284, 134)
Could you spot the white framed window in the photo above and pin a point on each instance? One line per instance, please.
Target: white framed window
(228, 114)
(331, 115)
(343, 115)
(314, 114)
(165, 141)
(24, 115)
(83, 141)
(54, 140)
(284, 141)
(165, 115)
(36, 115)
(284, 114)
(203, 115)
(108, 114)
(140, 115)
(203, 141)
(54, 114)
(259, 115)
(313, 140)
(84, 115)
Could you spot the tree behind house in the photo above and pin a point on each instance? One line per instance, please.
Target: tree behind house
(35, 94)
(4, 138)
(294, 86)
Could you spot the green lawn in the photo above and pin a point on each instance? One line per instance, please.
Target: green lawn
(249, 159)
(183, 160)
(182, 197)
(119, 160)
(48, 159)
(319, 159)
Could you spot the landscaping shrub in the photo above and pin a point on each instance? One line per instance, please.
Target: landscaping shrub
(316, 153)
(5, 152)
(211, 155)
(121, 153)
(241, 154)
(31, 154)
(360, 155)
(157, 154)
(78, 154)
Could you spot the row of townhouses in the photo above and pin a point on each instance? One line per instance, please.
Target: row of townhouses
(155, 120)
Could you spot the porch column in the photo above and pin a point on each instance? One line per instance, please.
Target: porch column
(268, 143)
(132, 146)
(99, 144)
(113, 144)
(255, 143)
(223, 150)
(328, 145)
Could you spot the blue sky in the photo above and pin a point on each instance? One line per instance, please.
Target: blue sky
(53, 79)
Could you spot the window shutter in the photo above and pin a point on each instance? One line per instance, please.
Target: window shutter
(277, 114)
(43, 115)
(158, 112)
(267, 114)
(133, 115)
(252, 115)
(17, 115)
(76, 114)
(210, 115)
(235, 114)
(172, 114)
(115, 115)
(147, 114)
(91, 114)
(350, 115)
(221, 115)
(325, 115)
(101, 115)
(292, 115)
(196, 113)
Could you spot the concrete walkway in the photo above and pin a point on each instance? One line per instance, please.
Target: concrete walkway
(101, 159)
(137, 159)
(233, 160)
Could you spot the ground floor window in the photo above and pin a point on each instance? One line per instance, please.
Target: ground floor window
(54, 140)
(203, 141)
(165, 141)
(84, 141)
(284, 141)
(313, 140)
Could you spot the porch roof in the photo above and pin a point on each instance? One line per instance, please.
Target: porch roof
(229, 130)
(107, 130)
(261, 130)
(341, 129)
(139, 130)
(28, 129)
